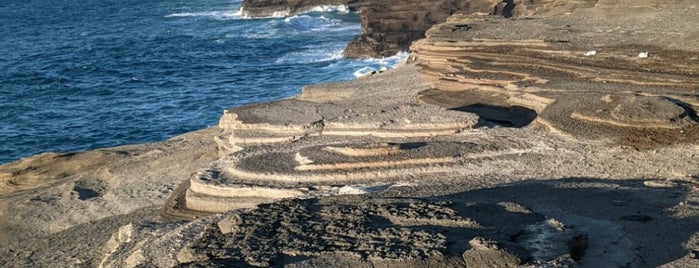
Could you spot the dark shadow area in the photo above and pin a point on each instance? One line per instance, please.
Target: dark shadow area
(509, 7)
(411, 145)
(514, 116)
(85, 193)
(604, 213)
(689, 110)
(596, 222)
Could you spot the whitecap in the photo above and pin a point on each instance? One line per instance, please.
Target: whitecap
(389, 62)
(274, 15)
(330, 8)
(313, 55)
(315, 24)
(364, 71)
(221, 15)
(287, 12)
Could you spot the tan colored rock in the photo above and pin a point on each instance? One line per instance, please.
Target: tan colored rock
(486, 253)
(535, 70)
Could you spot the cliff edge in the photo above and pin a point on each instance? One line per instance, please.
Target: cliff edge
(563, 136)
(388, 27)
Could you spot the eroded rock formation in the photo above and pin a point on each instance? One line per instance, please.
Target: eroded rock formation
(391, 26)
(388, 27)
(328, 137)
(548, 140)
(508, 226)
(581, 77)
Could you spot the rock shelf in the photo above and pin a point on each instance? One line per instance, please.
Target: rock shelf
(301, 145)
(563, 136)
(544, 74)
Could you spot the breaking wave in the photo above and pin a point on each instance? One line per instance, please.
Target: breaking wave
(221, 15)
(342, 9)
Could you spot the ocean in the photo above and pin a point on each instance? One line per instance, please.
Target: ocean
(79, 75)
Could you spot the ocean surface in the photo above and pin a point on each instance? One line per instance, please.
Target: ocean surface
(77, 75)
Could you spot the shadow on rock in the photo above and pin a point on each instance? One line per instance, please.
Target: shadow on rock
(591, 222)
(514, 116)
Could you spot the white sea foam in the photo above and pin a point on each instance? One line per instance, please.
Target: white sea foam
(330, 8)
(221, 15)
(364, 71)
(389, 62)
(304, 23)
(274, 15)
(313, 55)
(374, 64)
(287, 12)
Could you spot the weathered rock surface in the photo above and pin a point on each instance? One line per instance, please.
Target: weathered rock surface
(388, 27)
(623, 223)
(391, 26)
(62, 208)
(307, 151)
(519, 147)
(541, 69)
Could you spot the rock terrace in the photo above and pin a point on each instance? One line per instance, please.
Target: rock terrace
(547, 139)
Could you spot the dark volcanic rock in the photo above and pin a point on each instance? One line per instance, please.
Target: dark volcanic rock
(388, 26)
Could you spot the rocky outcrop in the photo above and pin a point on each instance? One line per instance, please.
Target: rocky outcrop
(553, 140)
(328, 138)
(388, 27)
(584, 77)
(391, 26)
(516, 225)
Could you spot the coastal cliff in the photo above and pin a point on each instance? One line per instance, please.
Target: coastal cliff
(388, 27)
(564, 137)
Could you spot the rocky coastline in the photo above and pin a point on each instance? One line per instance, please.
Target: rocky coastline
(517, 134)
(388, 27)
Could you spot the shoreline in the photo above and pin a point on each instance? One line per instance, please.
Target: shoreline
(438, 162)
(493, 175)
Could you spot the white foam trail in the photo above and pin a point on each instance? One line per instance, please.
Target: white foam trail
(330, 8)
(313, 55)
(305, 23)
(287, 12)
(289, 20)
(274, 15)
(389, 62)
(222, 15)
(364, 71)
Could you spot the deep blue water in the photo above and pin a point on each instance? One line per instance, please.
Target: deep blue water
(78, 75)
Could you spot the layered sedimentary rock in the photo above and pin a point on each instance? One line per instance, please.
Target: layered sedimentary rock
(329, 137)
(331, 140)
(583, 77)
(389, 26)
(508, 226)
(551, 139)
